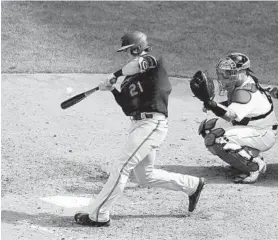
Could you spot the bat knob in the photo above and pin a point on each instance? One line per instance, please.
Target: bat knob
(113, 80)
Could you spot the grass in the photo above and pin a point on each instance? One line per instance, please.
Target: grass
(74, 37)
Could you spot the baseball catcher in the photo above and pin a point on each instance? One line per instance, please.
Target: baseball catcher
(143, 97)
(249, 110)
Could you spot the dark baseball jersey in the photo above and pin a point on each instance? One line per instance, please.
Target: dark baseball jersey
(146, 91)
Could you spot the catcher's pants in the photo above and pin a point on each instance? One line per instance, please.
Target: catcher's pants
(260, 139)
(138, 157)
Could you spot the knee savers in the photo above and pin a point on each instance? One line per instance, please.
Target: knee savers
(218, 144)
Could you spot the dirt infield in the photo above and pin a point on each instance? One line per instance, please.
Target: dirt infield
(47, 151)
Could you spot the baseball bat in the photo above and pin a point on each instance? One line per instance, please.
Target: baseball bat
(77, 98)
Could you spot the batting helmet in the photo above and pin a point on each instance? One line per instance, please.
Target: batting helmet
(135, 41)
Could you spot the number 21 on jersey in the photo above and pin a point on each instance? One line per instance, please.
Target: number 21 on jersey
(135, 89)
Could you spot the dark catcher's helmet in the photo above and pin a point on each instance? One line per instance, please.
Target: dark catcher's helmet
(135, 41)
(228, 70)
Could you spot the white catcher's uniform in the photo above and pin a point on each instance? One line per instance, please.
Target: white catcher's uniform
(259, 134)
(145, 136)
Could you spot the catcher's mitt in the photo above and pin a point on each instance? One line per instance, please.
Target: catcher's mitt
(202, 87)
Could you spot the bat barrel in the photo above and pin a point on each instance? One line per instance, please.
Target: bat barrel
(76, 99)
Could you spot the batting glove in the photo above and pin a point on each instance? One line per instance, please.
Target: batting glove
(107, 84)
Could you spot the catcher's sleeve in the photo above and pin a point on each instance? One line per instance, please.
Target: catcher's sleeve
(225, 103)
(218, 109)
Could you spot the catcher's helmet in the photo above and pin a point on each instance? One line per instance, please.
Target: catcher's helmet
(228, 69)
(233, 63)
(135, 41)
(241, 60)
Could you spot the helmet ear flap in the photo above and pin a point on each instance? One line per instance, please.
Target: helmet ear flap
(135, 50)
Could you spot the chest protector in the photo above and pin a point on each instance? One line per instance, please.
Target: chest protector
(243, 96)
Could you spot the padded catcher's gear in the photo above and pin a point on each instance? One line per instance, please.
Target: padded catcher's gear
(202, 87)
(228, 152)
(241, 60)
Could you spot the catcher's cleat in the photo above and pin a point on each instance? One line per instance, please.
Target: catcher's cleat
(194, 198)
(253, 176)
(239, 178)
(83, 219)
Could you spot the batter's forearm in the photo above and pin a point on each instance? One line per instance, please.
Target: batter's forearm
(129, 69)
(136, 66)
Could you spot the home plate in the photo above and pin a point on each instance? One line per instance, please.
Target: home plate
(67, 201)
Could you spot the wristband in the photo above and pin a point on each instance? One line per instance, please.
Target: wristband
(217, 110)
(118, 73)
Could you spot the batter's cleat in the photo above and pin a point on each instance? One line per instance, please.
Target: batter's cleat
(194, 198)
(83, 219)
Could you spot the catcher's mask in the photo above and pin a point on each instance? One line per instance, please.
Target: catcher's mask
(136, 42)
(228, 70)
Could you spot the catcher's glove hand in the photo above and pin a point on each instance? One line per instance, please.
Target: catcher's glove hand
(202, 87)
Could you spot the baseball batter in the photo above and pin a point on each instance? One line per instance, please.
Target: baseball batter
(249, 108)
(144, 98)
